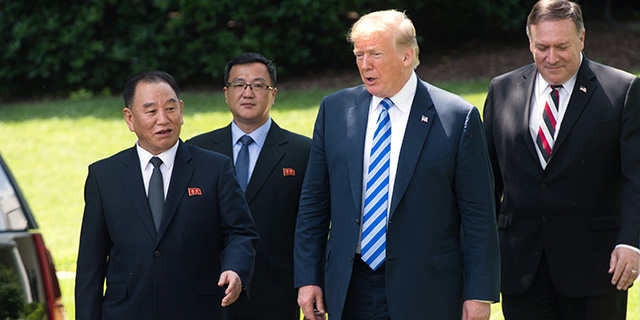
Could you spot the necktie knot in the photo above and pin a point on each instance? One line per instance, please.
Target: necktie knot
(386, 103)
(246, 140)
(156, 162)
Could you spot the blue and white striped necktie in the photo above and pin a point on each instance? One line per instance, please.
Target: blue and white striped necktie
(374, 222)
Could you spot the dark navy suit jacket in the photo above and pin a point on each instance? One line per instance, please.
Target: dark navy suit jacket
(172, 274)
(442, 243)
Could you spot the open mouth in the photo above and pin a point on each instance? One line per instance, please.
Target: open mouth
(164, 132)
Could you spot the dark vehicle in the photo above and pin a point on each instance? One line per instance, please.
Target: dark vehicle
(32, 288)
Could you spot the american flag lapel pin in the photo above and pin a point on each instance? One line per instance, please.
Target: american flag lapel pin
(288, 172)
(194, 192)
(424, 119)
(583, 89)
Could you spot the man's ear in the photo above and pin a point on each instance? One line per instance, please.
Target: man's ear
(128, 117)
(407, 58)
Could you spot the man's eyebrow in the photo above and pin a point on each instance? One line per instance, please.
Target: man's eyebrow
(254, 79)
(151, 104)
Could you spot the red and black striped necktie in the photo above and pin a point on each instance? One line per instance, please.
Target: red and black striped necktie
(548, 125)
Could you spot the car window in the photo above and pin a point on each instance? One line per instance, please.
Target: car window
(12, 215)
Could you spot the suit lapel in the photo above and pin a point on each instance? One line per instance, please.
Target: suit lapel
(132, 179)
(523, 94)
(357, 116)
(270, 155)
(182, 173)
(577, 102)
(414, 138)
(222, 142)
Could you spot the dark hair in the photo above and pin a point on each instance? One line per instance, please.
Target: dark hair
(148, 76)
(546, 10)
(251, 57)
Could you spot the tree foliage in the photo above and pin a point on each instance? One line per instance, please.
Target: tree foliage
(96, 45)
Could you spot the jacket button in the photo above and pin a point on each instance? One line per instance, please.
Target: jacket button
(351, 257)
(358, 221)
(157, 253)
(543, 219)
(543, 186)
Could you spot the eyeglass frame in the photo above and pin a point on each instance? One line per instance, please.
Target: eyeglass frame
(231, 85)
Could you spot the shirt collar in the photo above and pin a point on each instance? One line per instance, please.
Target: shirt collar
(404, 98)
(258, 135)
(167, 157)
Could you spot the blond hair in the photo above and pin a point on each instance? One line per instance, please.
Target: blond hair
(388, 21)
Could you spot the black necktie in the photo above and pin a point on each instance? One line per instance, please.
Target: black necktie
(156, 192)
(242, 163)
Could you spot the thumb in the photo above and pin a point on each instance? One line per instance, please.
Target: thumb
(223, 280)
(613, 262)
(320, 303)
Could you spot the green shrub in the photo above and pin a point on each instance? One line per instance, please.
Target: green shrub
(11, 297)
(57, 47)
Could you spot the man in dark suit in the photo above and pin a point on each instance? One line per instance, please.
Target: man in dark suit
(396, 223)
(273, 179)
(162, 259)
(567, 173)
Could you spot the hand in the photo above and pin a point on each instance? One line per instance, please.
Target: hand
(624, 267)
(476, 310)
(310, 301)
(234, 287)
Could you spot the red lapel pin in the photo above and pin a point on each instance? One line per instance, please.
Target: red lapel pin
(194, 192)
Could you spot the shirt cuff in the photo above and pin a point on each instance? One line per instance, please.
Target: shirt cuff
(628, 247)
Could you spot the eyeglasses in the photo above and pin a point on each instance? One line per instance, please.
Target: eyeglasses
(241, 86)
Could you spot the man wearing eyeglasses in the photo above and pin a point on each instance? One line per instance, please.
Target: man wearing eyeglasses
(270, 164)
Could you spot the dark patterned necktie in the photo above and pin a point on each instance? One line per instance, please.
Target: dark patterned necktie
(156, 192)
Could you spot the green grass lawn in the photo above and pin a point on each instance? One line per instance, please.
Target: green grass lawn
(49, 144)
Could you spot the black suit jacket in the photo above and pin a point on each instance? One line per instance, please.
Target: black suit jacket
(588, 198)
(172, 274)
(273, 194)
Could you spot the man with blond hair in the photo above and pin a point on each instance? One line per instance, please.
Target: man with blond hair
(396, 217)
